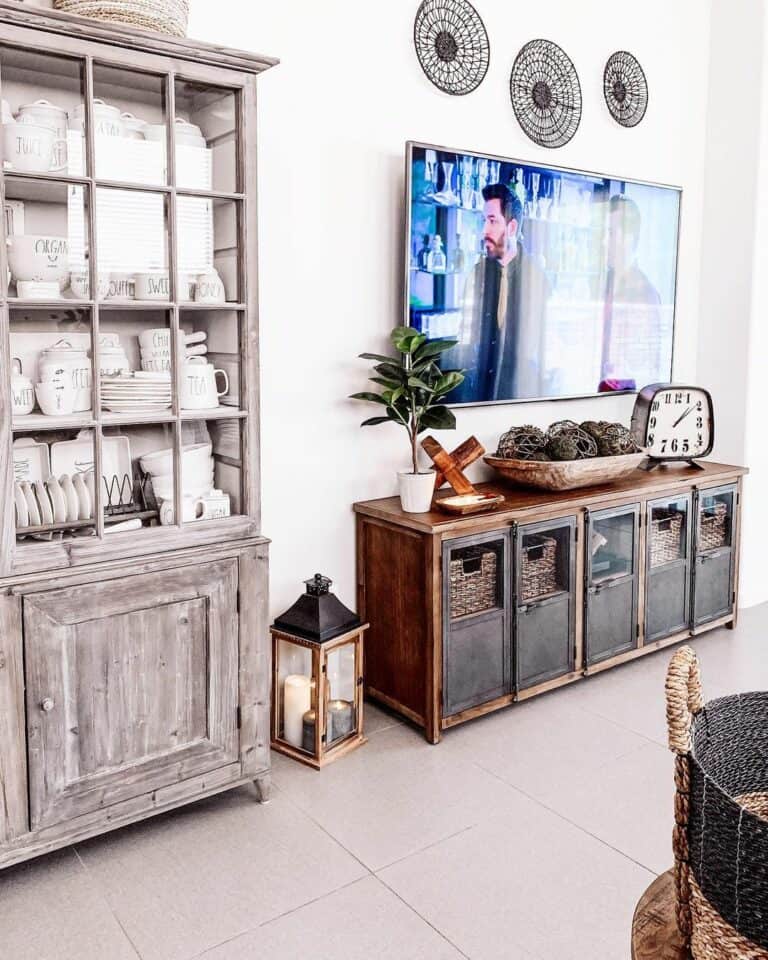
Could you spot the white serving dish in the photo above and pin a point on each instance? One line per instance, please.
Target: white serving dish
(31, 460)
(76, 456)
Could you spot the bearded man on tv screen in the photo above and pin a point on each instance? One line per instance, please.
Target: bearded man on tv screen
(503, 309)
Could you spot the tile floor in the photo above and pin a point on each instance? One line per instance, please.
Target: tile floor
(527, 835)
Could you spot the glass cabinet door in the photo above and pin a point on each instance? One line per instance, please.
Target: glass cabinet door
(125, 300)
(544, 605)
(714, 561)
(667, 591)
(611, 582)
(476, 649)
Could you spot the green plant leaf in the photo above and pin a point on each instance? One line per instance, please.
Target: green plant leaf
(396, 395)
(438, 418)
(433, 348)
(373, 421)
(418, 384)
(376, 356)
(449, 381)
(392, 371)
(383, 382)
(367, 395)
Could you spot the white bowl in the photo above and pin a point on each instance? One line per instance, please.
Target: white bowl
(196, 460)
(163, 487)
(33, 257)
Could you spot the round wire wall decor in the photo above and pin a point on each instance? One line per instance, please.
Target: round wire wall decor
(546, 93)
(625, 89)
(452, 45)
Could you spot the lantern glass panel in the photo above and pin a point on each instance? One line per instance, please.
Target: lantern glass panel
(341, 720)
(296, 692)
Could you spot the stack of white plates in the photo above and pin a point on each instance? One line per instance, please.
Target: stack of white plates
(138, 392)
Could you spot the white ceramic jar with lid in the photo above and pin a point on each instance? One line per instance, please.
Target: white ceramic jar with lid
(63, 362)
(106, 119)
(133, 127)
(47, 114)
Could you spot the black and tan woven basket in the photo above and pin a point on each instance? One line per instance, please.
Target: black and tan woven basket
(163, 16)
(473, 582)
(713, 527)
(539, 566)
(721, 816)
(666, 530)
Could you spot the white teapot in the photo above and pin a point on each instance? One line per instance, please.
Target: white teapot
(22, 392)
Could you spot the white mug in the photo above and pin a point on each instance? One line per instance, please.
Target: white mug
(199, 390)
(155, 364)
(122, 286)
(212, 506)
(155, 341)
(209, 288)
(153, 286)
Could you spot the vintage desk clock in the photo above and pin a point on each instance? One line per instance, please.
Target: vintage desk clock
(317, 678)
(673, 422)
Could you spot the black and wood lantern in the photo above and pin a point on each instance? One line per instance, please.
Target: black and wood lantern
(317, 677)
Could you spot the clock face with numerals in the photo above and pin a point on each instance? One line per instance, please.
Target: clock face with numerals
(674, 422)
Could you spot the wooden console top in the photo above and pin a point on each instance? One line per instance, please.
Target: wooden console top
(519, 500)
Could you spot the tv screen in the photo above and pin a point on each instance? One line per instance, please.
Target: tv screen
(554, 282)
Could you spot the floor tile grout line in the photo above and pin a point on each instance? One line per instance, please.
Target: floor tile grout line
(565, 819)
(105, 901)
(622, 726)
(429, 923)
(429, 846)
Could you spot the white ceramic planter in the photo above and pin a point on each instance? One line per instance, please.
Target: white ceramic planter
(416, 490)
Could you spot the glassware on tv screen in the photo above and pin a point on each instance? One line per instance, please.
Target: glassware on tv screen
(553, 282)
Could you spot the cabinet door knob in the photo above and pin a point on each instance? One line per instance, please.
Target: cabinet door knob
(47, 705)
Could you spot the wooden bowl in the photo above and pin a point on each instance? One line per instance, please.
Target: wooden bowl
(566, 474)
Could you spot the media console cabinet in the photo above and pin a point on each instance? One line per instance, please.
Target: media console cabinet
(135, 663)
(469, 614)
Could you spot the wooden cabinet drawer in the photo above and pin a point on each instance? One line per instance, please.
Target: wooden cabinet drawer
(131, 685)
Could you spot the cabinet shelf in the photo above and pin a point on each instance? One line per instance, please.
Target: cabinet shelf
(214, 413)
(45, 424)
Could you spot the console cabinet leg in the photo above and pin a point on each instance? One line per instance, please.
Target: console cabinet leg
(263, 788)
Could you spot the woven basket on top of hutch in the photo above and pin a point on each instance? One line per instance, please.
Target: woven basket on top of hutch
(134, 653)
(468, 615)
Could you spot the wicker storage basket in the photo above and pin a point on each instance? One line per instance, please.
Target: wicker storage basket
(721, 816)
(665, 536)
(473, 582)
(539, 566)
(712, 527)
(163, 16)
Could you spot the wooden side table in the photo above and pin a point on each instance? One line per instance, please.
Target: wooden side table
(654, 927)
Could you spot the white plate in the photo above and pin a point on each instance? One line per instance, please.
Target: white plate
(73, 504)
(57, 500)
(22, 510)
(134, 407)
(31, 460)
(83, 497)
(44, 502)
(34, 511)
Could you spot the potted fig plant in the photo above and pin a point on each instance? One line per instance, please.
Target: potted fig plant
(412, 387)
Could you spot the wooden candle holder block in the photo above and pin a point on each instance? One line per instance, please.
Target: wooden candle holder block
(450, 467)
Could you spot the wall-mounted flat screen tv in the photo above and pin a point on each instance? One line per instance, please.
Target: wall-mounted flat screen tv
(554, 282)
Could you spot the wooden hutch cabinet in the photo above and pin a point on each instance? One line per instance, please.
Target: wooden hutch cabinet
(468, 615)
(134, 643)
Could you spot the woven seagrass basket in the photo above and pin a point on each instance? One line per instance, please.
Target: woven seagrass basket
(539, 566)
(163, 16)
(666, 530)
(473, 582)
(721, 816)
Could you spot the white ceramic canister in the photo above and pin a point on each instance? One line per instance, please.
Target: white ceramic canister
(28, 147)
(48, 115)
(133, 127)
(64, 362)
(106, 119)
(188, 134)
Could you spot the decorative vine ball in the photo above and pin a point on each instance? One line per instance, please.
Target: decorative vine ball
(595, 428)
(616, 441)
(521, 443)
(572, 445)
(561, 426)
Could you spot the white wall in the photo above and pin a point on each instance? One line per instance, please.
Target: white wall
(334, 119)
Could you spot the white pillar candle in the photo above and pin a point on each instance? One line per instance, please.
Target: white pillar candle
(297, 699)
